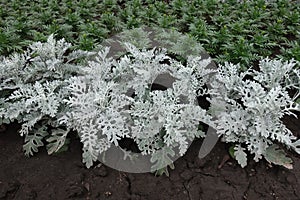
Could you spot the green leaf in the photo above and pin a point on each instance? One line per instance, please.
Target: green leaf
(274, 154)
(231, 151)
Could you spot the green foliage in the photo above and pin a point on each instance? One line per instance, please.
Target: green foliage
(234, 31)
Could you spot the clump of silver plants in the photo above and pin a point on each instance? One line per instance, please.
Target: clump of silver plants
(51, 90)
(249, 107)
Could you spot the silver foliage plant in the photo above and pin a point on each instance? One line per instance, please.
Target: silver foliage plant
(249, 107)
(114, 100)
(51, 90)
(32, 90)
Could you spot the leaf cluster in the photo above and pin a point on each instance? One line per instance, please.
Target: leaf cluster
(249, 107)
(234, 31)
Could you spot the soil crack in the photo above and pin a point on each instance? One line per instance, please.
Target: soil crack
(204, 173)
(186, 186)
(188, 192)
(129, 189)
(245, 195)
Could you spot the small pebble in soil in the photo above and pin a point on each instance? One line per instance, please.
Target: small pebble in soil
(252, 172)
(107, 193)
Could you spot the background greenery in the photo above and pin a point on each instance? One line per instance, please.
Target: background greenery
(229, 31)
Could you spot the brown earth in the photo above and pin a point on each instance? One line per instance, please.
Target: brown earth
(63, 176)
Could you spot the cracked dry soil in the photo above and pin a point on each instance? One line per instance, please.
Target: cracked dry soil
(63, 176)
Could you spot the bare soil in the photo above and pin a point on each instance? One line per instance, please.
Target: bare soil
(63, 176)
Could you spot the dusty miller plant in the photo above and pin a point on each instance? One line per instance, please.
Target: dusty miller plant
(249, 107)
(50, 89)
(32, 90)
(114, 100)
